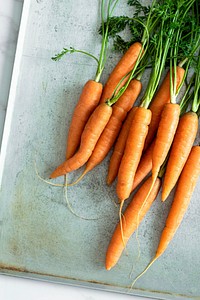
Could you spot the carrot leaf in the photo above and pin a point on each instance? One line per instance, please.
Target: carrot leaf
(72, 50)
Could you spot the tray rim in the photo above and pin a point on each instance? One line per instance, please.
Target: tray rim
(13, 85)
(18, 273)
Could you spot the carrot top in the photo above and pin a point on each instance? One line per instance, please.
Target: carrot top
(171, 30)
(185, 43)
(148, 23)
(196, 99)
(106, 13)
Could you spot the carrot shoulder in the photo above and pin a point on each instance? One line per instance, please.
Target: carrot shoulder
(124, 66)
(88, 101)
(132, 217)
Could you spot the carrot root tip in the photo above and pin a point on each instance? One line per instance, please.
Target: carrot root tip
(79, 179)
(143, 272)
(164, 196)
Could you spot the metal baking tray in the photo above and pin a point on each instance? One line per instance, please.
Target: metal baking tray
(39, 237)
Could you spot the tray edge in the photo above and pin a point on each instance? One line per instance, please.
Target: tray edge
(13, 85)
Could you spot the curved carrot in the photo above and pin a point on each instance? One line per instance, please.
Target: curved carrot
(165, 135)
(181, 147)
(118, 151)
(124, 66)
(161, 98)
(111, 131)
(132, 152)
(144, 166)
(89, 138)
(132, 217)
(88, 101)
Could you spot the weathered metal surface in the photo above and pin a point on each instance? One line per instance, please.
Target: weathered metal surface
(39, 236)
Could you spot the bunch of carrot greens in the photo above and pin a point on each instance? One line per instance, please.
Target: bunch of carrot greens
(156, 136)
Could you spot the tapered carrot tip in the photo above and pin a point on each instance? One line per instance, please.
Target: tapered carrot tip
(59, 171)
(164, 196)
(108, 268)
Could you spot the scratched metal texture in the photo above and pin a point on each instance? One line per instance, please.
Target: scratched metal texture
(39, 237)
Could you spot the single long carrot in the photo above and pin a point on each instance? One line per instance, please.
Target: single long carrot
(124, 66)
(165, 135)
(182, 197)
(132, 217)
(160, 99)
(144, 166)
(183, 194)
(111, 131)
(88, 101)
(181, 147)
(132, 152)
(119, 148)
(89, 138)
(92, 90)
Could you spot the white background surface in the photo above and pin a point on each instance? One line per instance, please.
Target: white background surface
(17, 288)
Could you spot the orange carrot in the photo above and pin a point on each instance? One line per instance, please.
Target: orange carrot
(119, 148)
(88, 101)
(132, 152)
(165, 135)
(183, 194)
(181, 147)
(89, 138)
(132, 217)
(161, 98)
(182, 197)
(124, 66)
(144, 166)
(111, 131)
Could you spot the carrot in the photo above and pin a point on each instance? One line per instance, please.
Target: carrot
(119, 148)
(89, 138)
(161, 98)
(111, 131)
(144, 166)
(183, 194)
(92, 90)
(182, 197)
(132, 152)
(88, 101)
(124, 66)
(181, 147)
(133, 216)
(165, 134)
(137, 135)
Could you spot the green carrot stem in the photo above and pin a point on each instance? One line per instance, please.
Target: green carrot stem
(73, 50)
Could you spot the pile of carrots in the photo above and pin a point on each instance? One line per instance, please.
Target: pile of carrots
(154, 141)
